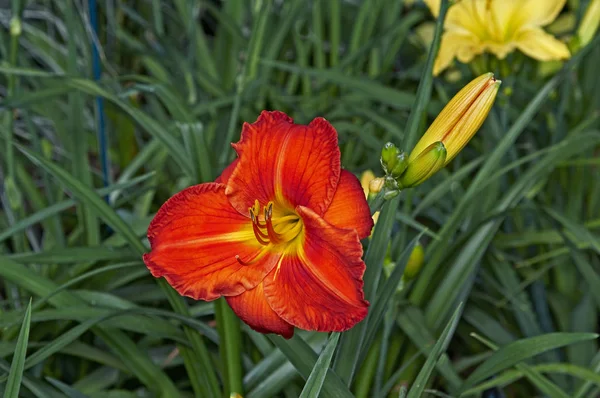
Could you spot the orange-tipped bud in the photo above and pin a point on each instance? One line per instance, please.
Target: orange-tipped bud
(460, 119)
(426, 164)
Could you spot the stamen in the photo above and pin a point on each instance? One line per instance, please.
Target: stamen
(253, 260)
(289, 226)
(261, 237)
(273, 236)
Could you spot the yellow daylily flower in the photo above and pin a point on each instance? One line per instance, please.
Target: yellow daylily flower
(473, 27)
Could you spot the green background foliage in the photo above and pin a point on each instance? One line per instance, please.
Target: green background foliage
(506, 302)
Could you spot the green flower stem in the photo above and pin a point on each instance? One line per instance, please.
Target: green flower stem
(376, 203)
(12, 192)
(230, 334)
(15, 33)
(365, 376)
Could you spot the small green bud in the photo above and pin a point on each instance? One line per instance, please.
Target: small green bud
(47, 148)
(12, 194)
(401, 165)
(388, 157)
(415, 262)
(15, 26)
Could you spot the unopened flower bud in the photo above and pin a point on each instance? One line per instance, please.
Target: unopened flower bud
(400, 166)
(15, 26)
(389, 155)
(375, 185)
(429, 162)
(365, 180)
(589, 23)
(460, 119)
(412, 268)
(415, 262)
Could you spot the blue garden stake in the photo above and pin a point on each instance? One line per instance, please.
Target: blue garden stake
(97, 72)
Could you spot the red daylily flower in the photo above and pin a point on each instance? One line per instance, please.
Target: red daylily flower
(278, 233)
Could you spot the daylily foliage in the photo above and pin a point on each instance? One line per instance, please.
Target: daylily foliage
(277, 234)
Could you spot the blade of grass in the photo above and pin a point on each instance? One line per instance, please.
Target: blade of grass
(13, 383)
(77, 133)
(468, 258)
(510, 376)
(315, 381)
(302, 356)
(120, 226)
(69, 391)
(384, 296)
(522, 350)
(418, 387)
(378, 92)
(418, 111)
(540, 382)
(412, 322)
(64, 205)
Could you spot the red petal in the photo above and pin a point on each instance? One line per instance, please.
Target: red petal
(195, 238)
(349, 208)
(224, 177)
(320, 287)
(252, 307)
(291, 164)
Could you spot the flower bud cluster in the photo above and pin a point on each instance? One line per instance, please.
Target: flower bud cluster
(456, 124)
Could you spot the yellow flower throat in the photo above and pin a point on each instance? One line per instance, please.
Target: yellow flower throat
(274, 230)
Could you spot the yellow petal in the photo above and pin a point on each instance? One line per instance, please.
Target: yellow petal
(501, 50)
(470, 15)
(504, 19)
(434, 6)
(533, 13)
(542, 46)
(463, 45)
